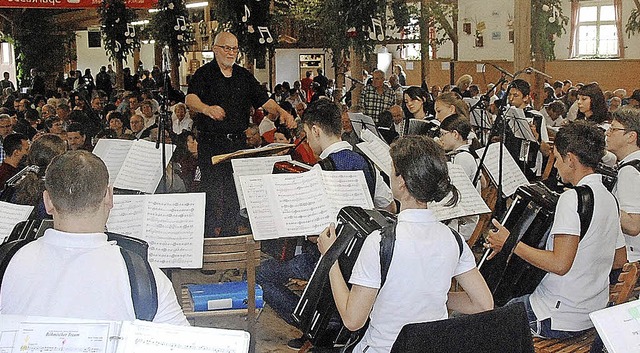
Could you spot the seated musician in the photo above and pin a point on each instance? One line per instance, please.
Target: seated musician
(426, 257)
(72, 270)
(454, 133)
(623, 139)
(519, 97)
(577, 281)
(323, 127)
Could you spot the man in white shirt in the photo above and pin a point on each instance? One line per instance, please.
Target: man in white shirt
(577, 282)
(72, 270)
(624, 141)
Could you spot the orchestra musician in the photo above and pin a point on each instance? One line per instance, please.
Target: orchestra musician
(323, 127)
(577, 281)
(623, 139)
(426, 257)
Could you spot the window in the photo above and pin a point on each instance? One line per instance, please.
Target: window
(596, 30)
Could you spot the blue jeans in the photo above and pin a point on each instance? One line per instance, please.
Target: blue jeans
(542, 328)
(273, 276)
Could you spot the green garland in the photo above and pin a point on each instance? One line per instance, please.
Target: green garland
(170, 26)
(547, 23)
(633, 25)
(118, 34)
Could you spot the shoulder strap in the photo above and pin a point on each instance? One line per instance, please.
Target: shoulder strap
(387, 244)
(634, 163)
(458, 238)
(144, 291)
(585, 207)
(327, 164)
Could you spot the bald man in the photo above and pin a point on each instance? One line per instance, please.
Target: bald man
(221, 94)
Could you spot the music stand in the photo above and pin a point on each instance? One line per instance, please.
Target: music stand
(479, 117)
(361, 122)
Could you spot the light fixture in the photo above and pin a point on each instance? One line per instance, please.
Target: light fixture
(140, 23)
(192, 5)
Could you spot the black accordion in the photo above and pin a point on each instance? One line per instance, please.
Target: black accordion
(316, 306)
(529, 220)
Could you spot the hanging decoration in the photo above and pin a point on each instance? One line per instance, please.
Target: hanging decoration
(170, 26)
(119, 36)
(549, 21)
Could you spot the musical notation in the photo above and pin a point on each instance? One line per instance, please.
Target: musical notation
(512, 176)
(470, 202)
(11, 215)
(142, 167)
(131, 31)
(172, 225)
(118, 47)
(253, 166)
(264, 30)
(376, 23)
(181, 24)
(247, 14)
(377, 150)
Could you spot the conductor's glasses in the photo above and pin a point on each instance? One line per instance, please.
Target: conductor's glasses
(228, 49)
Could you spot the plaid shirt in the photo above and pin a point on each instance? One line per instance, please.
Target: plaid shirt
(373, 103)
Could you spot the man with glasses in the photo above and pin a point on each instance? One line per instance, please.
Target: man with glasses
(623, 140)
(221, 94)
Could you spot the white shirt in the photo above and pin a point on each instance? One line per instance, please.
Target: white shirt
(572, 114)
(382, 196)
(627, 190)
(78, 276)
(425, 258)
(569, 299)
(266, 125)
(179, 126)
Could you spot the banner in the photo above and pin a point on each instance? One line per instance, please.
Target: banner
(71, 4)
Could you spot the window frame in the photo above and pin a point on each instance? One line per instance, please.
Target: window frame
(598, 24)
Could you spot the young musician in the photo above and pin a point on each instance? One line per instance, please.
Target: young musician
(577, 282)
(454, 134)
(623, 139)
(322, 125)
(425, 258)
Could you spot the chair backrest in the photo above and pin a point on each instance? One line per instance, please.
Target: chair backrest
(620, 292)
(504, 329)
(226, 253)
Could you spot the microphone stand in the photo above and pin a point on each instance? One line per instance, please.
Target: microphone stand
(164, 114)
(353, 86)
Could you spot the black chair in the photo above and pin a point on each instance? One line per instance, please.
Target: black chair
(504, 330)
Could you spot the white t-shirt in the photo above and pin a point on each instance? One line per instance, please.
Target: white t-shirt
(569, 299)
(78, 276)
(627, 190)
(425, 258)
(266, 125)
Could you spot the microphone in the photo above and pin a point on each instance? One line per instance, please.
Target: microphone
(503, 71)
(531, 70)
(166, 63)
(353, 79)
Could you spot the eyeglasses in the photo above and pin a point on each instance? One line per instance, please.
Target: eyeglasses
(228, 49)
(611, 128)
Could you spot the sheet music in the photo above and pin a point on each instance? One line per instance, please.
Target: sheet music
(478, 117)
(361, 122)
(346, 189)
(287, 205)
(63, 337)
(253, 166)
(470, 202)
(519, 123)
(113, 153)
(377, 150)
(11, 215)
(512, 176)
(147, 337)
(141, 170)
(619, 327)
(172, 224)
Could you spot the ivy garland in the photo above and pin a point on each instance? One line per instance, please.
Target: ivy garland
(170, 26)
(547, 23)
(633, 25)
(118, 34)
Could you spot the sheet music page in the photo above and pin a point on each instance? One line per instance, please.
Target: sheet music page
(128, 215)
(11, 215)
(149, 337)
(519, 123)
(361, 122)
(257, 190)
(286, 205)
(619, 327)
(377, 150)
(470, 202)
(113, 153)
(512, 176)
(172, 224)
(174, 229)
(346, 188)
(253, 166)
(142, 168)
(64, 335)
